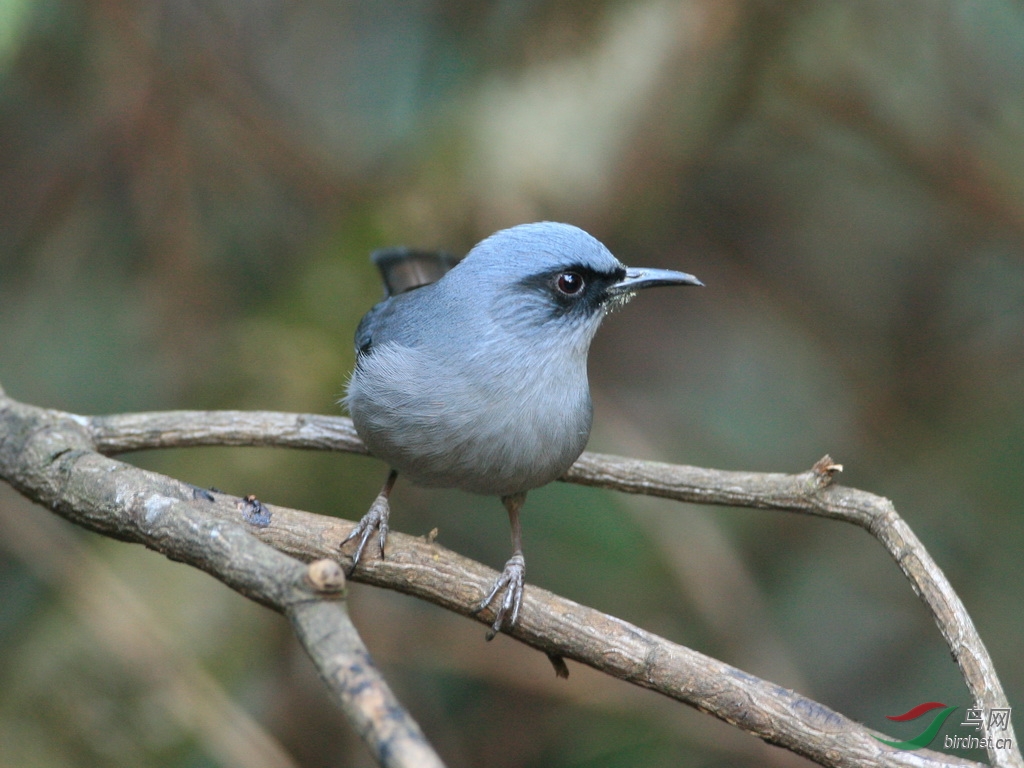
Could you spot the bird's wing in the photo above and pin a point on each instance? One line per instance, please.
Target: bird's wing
(396, 320)
(405, 272)
(365, 331)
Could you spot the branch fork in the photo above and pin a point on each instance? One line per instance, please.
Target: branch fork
(288, 560)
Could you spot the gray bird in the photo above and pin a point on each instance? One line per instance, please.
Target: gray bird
(478, 381)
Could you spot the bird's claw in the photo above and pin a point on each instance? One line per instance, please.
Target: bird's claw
(511, 583)
(376, 518)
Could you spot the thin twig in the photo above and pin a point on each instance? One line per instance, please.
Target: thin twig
(120, 621)
(329, 637)
(416, 566)
(810, 493)
(813, 493)
(49, 458)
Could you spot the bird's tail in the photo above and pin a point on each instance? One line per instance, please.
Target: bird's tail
(404, 269)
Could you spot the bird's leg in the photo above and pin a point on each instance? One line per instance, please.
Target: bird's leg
(511, 580)
(375, 518)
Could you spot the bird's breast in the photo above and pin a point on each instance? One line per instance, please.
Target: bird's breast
(471, 423)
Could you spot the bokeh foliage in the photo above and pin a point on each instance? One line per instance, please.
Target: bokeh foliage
(189, 195)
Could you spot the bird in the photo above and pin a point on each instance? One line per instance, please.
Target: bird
(477, 379)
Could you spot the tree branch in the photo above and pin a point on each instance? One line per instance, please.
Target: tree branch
(810, 493)
(554, 625)
(130, 631)
(48, 457)
(813, 493)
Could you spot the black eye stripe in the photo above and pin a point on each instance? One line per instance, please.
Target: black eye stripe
(555, 289)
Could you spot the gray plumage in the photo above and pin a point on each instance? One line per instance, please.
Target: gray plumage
(482, 384)
(479, 380)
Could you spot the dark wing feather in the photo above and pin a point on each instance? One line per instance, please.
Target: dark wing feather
(402, 270)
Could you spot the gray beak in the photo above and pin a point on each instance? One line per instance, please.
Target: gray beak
(636, 279)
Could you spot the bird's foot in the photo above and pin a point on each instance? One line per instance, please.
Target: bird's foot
(509, 589)
(376, 518)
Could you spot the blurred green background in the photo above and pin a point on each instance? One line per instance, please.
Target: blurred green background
(190, 191)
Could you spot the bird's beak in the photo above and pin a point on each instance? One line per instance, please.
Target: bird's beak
(636, 279)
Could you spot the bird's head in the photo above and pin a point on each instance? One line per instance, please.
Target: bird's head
(552, 276)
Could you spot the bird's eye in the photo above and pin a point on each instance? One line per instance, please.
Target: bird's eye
(569, 283)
